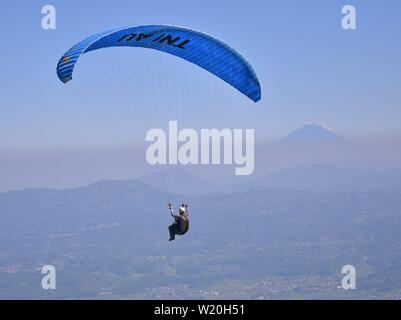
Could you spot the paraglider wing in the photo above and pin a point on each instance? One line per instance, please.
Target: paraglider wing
(199, 48)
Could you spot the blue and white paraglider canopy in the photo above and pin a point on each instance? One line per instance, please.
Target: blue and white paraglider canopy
(199, 48)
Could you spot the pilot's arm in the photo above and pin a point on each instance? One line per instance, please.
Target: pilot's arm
(172, 211)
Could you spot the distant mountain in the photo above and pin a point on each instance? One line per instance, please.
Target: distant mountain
(177, 180)
(108, 201)
(387, 180)
(311, 134)
(324, 178)
(311, 144)
(310, 177)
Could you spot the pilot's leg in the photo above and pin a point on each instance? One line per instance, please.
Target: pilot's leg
(172, 230)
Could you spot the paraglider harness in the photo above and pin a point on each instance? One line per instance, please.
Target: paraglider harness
(184, 225)
(181, 221)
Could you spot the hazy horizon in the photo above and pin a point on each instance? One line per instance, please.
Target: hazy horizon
(311, 71)
(74, 167)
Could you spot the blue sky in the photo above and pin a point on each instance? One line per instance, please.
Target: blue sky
(309, 67)
(311, 70)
